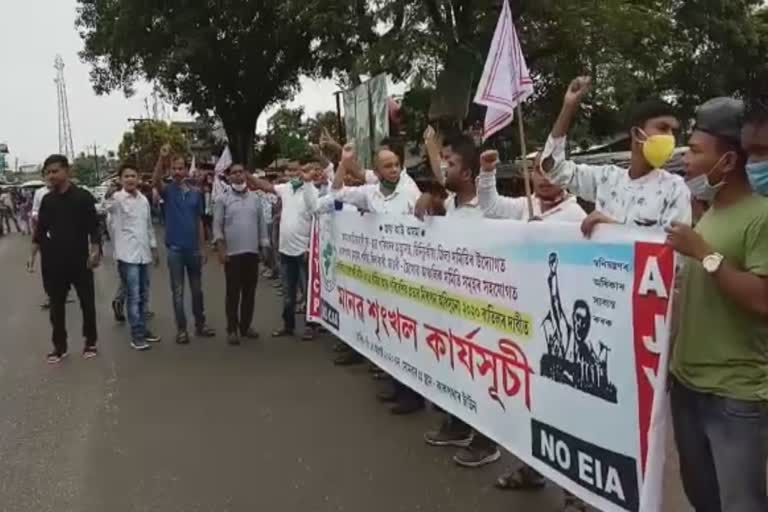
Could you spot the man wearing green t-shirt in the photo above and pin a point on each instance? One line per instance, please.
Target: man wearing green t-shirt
(719, 363)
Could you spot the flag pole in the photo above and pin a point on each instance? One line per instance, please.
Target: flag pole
(526, 172)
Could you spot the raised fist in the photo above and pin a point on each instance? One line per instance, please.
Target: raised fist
(488, 160)
(165, 151)
(579, 87)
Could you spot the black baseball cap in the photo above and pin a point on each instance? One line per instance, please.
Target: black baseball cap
(721, 117)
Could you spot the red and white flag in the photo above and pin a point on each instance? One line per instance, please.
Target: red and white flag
(506, 81)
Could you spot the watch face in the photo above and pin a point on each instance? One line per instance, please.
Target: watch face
(712, 262)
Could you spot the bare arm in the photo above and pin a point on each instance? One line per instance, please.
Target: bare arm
(259, 184)
(432, 145)
(159, 174)
(576, 91)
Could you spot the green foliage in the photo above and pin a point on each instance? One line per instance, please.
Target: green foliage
(235, 57)
(290, 133)
(685, 50)
(142, 144)
(91, 170)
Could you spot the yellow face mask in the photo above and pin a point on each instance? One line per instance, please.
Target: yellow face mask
(658, 149)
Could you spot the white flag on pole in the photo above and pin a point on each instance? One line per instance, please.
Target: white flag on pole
(222, 164)
(506, 81)
(224, 161)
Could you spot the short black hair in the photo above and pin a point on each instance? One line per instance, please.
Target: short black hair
(647, 110)
(56, 159)
(464, 146)
(124, 167)
(757, 111)
(396, 146)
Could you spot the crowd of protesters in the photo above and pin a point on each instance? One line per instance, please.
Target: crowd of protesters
(715, 216)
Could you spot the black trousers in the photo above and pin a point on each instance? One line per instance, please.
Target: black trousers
(58, 281)
(242, 276)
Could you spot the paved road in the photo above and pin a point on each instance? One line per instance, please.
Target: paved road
(271, 425)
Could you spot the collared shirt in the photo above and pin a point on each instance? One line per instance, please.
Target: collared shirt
(296, 217)
(238, 220)
(372, 179)
(37, 200)
(654, 200)
(130, 220)
(498, 207)
(67, 222)
(468, 210)
(184, 209)
(370, 198)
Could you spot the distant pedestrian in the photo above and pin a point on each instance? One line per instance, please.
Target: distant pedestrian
(184, 240)
(68, 237)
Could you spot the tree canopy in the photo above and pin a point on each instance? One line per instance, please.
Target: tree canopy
(142, 144)
(235, 58)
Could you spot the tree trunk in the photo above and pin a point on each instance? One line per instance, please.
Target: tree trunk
(241, 130)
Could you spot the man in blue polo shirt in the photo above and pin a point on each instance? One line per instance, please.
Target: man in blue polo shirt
(184, 241)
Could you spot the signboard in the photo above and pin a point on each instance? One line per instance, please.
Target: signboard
(548, 343)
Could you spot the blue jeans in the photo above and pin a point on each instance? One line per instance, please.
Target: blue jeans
(135, 282)
(294, 271)
(179, 261)
(723, 446)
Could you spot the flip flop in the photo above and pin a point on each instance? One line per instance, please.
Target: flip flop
(521, 479)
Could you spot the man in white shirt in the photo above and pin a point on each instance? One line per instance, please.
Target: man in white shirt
(299, 200)
(392, 195)
(135, 249)
(644, 195)
(550, 201)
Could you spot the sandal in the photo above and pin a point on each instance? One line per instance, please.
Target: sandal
(521, 479)
(574, 504)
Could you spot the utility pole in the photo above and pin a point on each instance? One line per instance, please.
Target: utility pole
(96, 163)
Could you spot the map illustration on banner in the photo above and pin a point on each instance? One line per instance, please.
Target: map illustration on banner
(548, 343)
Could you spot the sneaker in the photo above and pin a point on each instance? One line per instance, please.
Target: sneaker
(444, 436)
(55, 358)
(233, 339)
(250, 334)
(203, 331)
(151, 338)
(182, 338)
(90, 351)
(140, 345)
(118, 308)
(472, 457)
(149, 315)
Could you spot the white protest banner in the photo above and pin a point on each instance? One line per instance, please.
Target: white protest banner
(548, 343)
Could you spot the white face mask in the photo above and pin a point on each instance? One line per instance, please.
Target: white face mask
(702, 189)
(239, 187)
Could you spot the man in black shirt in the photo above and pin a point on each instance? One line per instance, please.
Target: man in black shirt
(68, 237)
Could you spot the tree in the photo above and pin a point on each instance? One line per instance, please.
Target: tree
(90, 170)
(142, 144)
(288, 131)
(234, 57)
(632, 48)
(323, 121)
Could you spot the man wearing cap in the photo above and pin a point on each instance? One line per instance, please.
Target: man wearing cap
(719, 391)
(754, 141)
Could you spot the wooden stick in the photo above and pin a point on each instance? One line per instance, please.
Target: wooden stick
(526, 173)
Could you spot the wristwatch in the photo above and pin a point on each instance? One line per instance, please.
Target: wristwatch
(712, 262)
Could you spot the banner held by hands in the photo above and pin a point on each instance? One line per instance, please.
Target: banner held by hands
(504, 85)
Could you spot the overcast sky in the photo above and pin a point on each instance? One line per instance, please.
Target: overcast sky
(32, 32)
